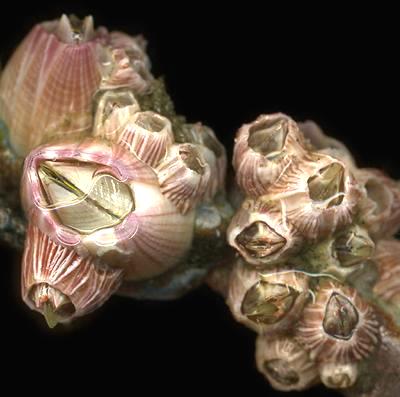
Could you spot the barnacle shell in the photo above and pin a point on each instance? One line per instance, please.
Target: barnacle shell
(338, 326)
(184, 176)
(285, 363)
(319, 196)
(100, 199)
(387, 259)
(323, 143)
(266, 301)
(61, 284)
(262, 234)
(380, 203)
(338, 375)
(47, 86)
(263, 150)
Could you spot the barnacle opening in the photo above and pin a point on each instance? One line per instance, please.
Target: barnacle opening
(259, 240)
(268, 137)
(71, 29)
(150, 122)
(281, 372)
(191, 157)
(327, 185)
(353, 246)
(53, 304)
(341, 317)
(84, 200)
(268, 303)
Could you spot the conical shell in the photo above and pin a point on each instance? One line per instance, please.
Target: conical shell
(84, 282)
(47, 86)
(147, 240)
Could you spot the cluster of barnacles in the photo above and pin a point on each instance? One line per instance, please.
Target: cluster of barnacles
(122, 195)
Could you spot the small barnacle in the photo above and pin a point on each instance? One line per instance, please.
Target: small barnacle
(387, 260)
(260, 232)
(266, 301)
(353, 246)
(285, 364)
(379, 207)
(320, 195)
(325, 144)
(339, 326)
(338, 375)
(184, 176)
(263, 150)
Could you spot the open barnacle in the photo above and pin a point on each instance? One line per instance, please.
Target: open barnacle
(59, 283)
(263, 150)
(102, 200)
(266, 301)
(379, 207)
(285, 363)
(338, 326)
(319, 195)
(261, 233)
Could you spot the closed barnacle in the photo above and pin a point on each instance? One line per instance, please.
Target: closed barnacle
(379, 207)
(266, 301)
(338, 326)
(285, 364)
(260, 232)
(263, 150)
(320, 196)
(338, 375)
(184, 176)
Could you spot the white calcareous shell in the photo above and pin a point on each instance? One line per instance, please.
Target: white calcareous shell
(47, 86)
(338, 375)
(266, 301)
(264, 149)
(57, 276)
(285, 363)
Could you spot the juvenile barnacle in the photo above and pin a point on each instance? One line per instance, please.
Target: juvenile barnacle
(285, 364)
(338, 375)
(338, 326)
(59, 283)
(100, 199)
(320, 195)
(325, 144)
(379, 207)
(263, 150)
(387, 260)
(266, 301)
(261, 233)
(184, 176)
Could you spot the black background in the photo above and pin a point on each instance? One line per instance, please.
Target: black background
(223, 65)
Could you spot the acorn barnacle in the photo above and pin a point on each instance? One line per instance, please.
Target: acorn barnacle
(338, 326)
(262, 234)
(338, 375)
(263, 150)
(266, 301)
(320, 195)
(285, 363)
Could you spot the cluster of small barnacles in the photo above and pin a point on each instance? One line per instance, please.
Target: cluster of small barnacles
(115, 193)
(121, 195)
(315, 238)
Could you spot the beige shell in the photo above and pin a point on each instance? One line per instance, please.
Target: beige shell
(47, 86)
(387, 259)
(184, 176)
(285, 363)
(262, 234)
(319, 195)
(57, 276)
(325, 144)
(264, 150)
(338, 326)
(338, 375)
(266, 301)
(380, 203)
